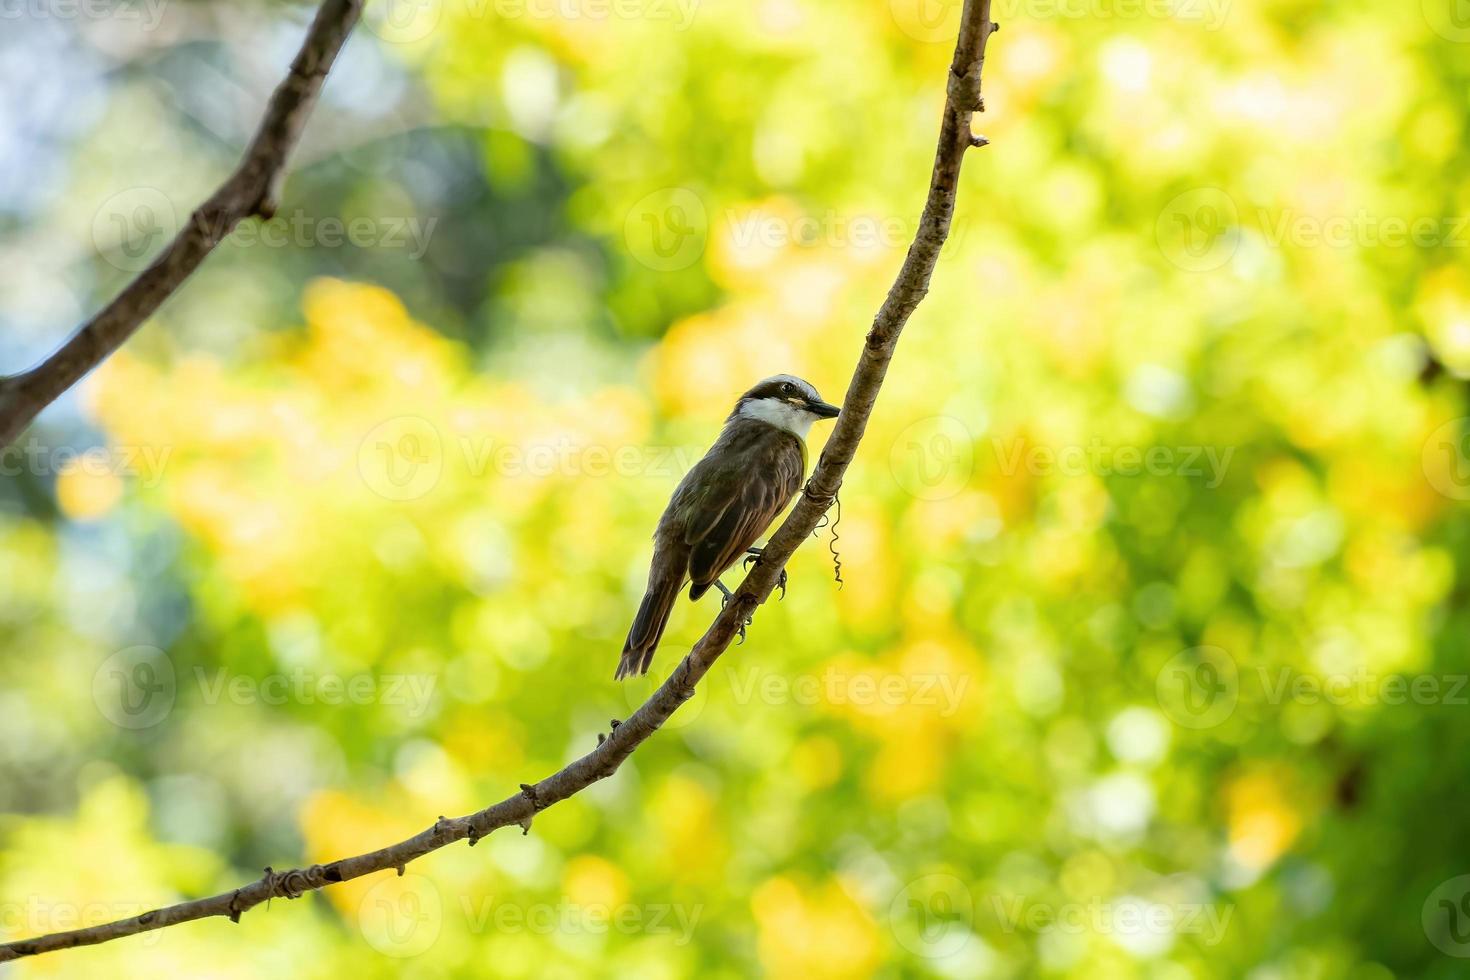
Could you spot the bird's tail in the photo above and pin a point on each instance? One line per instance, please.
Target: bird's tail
(648, 626)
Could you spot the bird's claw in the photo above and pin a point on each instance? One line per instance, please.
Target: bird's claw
(740, 631)
(754, 557)
(725, 596)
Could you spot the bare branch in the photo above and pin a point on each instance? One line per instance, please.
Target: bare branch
(963, 99)
(253, 189)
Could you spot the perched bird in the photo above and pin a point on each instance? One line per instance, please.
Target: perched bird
(725, 503)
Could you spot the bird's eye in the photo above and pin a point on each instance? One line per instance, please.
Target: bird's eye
(788, 388)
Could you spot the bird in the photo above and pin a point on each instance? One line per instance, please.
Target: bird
(724, 503)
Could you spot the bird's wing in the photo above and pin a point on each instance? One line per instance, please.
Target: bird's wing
(725, 522)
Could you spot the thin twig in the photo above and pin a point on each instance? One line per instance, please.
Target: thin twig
(962, 101)
(253, 189)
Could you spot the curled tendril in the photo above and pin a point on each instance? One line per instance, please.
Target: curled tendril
(832, 545)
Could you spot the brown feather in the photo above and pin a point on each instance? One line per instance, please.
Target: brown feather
(729, 522)
(721, 507)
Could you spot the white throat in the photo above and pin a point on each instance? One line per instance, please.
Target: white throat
(783, 415)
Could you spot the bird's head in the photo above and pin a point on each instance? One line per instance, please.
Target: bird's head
(786, 402)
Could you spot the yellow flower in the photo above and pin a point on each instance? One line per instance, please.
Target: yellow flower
(819, 932)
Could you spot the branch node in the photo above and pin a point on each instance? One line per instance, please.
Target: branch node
(977, 140)
(525, 826)
(473, 835)
(441, 826)
(600, 739)
(615, 723)
(401, 869)
(964, 90)
(529, 792)
(234, 906)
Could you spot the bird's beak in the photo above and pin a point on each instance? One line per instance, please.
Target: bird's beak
(822, 410)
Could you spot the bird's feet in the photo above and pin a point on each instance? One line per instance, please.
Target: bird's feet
(753, 557)
(725, 596)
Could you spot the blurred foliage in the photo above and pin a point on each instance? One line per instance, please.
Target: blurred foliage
(1160, 507)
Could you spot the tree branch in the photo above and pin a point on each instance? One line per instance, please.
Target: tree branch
(253, 189)
(963, 100)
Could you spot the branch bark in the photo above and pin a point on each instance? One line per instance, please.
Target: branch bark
(253, 189)
(963, 100)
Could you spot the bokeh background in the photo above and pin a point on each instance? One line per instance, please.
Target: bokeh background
(1150, 655)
